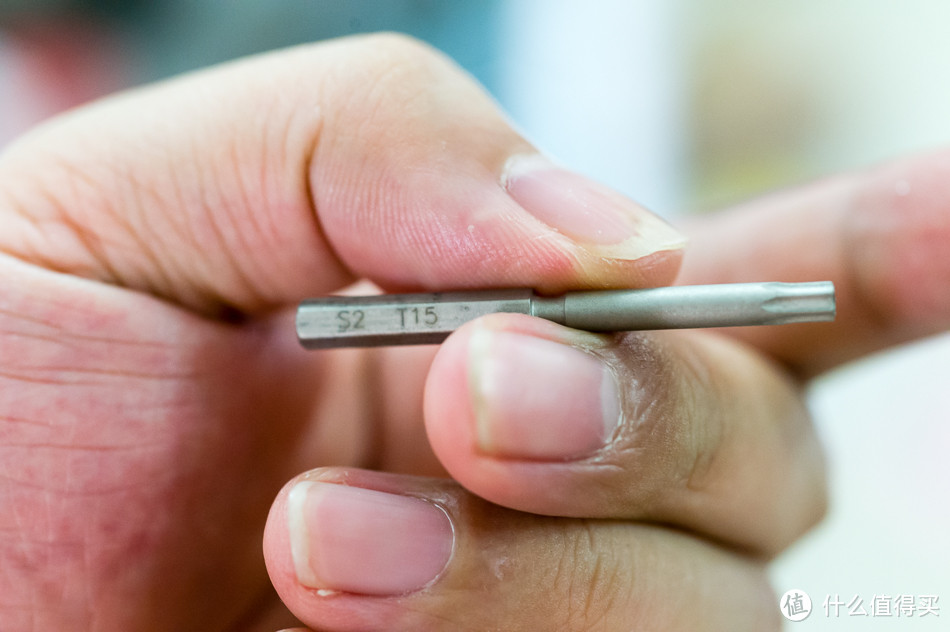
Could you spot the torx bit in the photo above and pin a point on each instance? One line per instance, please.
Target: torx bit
(403, 319)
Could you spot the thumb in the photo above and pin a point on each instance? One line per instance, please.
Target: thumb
(256, 184)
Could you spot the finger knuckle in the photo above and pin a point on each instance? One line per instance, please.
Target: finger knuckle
(590, 577)
(393, 45)
(396, 91)
(396, 65)
(671, 436)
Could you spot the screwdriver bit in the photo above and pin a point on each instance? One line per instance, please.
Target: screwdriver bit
(403, 319)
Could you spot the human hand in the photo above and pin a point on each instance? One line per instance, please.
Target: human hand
(153, 399)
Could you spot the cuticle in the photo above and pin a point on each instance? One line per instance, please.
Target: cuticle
(441, 506)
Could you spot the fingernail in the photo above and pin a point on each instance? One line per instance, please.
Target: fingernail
(363, 541)
(586, 211)
(539, 399)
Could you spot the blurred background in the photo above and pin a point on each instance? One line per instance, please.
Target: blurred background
(686, 105)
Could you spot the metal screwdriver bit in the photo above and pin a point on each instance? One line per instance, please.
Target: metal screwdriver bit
(403, 319)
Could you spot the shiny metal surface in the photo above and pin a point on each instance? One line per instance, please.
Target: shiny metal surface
(395, 319)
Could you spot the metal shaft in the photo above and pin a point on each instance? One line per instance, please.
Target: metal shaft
(399, 319)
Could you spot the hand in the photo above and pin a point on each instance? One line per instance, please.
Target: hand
(153, 400)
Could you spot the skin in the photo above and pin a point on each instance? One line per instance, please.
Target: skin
(153, 405)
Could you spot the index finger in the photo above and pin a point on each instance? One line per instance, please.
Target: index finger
(882, 235)
(255, 185)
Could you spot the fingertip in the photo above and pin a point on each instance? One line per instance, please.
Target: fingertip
(514, 402)
(276, 545)
(348, 549)
(595, 217)
(447, 410)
